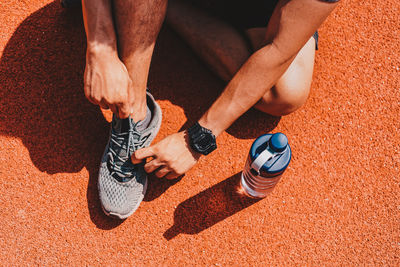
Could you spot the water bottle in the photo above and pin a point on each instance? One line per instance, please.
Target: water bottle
(268, 158)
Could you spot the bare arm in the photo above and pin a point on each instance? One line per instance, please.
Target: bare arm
(299, 19)
(106, 79)
(99, 26)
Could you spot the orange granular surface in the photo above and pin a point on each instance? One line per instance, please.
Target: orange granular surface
(337, 204)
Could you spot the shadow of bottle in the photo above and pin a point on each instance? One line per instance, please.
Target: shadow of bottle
(209, 207)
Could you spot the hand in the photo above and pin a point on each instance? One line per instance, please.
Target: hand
(172, 156)
(107, 83)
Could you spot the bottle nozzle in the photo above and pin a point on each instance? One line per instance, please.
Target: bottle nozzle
(278, 142)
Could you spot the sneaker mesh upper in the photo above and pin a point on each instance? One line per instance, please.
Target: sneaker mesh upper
(122, 198)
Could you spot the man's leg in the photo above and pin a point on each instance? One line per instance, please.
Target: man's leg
(138, 23)
(225, 50)
(214, 40)
(122, 184)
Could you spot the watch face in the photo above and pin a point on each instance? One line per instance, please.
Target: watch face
(205, 141)
(201, 139)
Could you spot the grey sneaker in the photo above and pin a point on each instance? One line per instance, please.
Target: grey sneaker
(122, 184)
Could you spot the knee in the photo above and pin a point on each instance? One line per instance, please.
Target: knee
(293, 97)
(284, 99)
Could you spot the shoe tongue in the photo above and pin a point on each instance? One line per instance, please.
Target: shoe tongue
(121, 125)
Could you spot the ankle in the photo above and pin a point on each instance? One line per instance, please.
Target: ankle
(139, 113)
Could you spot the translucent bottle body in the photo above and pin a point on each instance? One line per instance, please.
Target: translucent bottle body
(255, 185)
(268, 158)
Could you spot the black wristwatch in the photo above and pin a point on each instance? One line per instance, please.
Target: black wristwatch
(201, 139)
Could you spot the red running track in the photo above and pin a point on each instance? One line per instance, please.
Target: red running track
(337, 204)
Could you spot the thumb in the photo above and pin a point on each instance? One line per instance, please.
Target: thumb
(142, 154)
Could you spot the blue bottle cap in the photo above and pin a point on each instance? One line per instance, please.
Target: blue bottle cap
(278, 142)
(279, 163)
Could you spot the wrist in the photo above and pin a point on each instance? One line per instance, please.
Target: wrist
(211, 125)
(96, 50)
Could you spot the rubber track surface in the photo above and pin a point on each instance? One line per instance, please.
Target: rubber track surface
(337, 204)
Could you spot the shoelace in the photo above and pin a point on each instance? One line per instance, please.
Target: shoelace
(122, 170)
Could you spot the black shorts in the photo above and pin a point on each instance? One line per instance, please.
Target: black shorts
(243, 14)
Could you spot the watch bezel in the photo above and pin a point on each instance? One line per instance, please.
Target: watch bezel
(197, 134)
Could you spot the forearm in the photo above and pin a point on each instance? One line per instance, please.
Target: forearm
(106, 79)
(99, 26)
(251, 82)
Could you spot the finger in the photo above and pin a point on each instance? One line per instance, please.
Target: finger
(91, 99)
(143, 153)
(87, 90)
(171, 176)
(135, 160)
(123, 111)
(152, 165)
(162, 172)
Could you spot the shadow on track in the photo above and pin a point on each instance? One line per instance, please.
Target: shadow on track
(209, 207)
